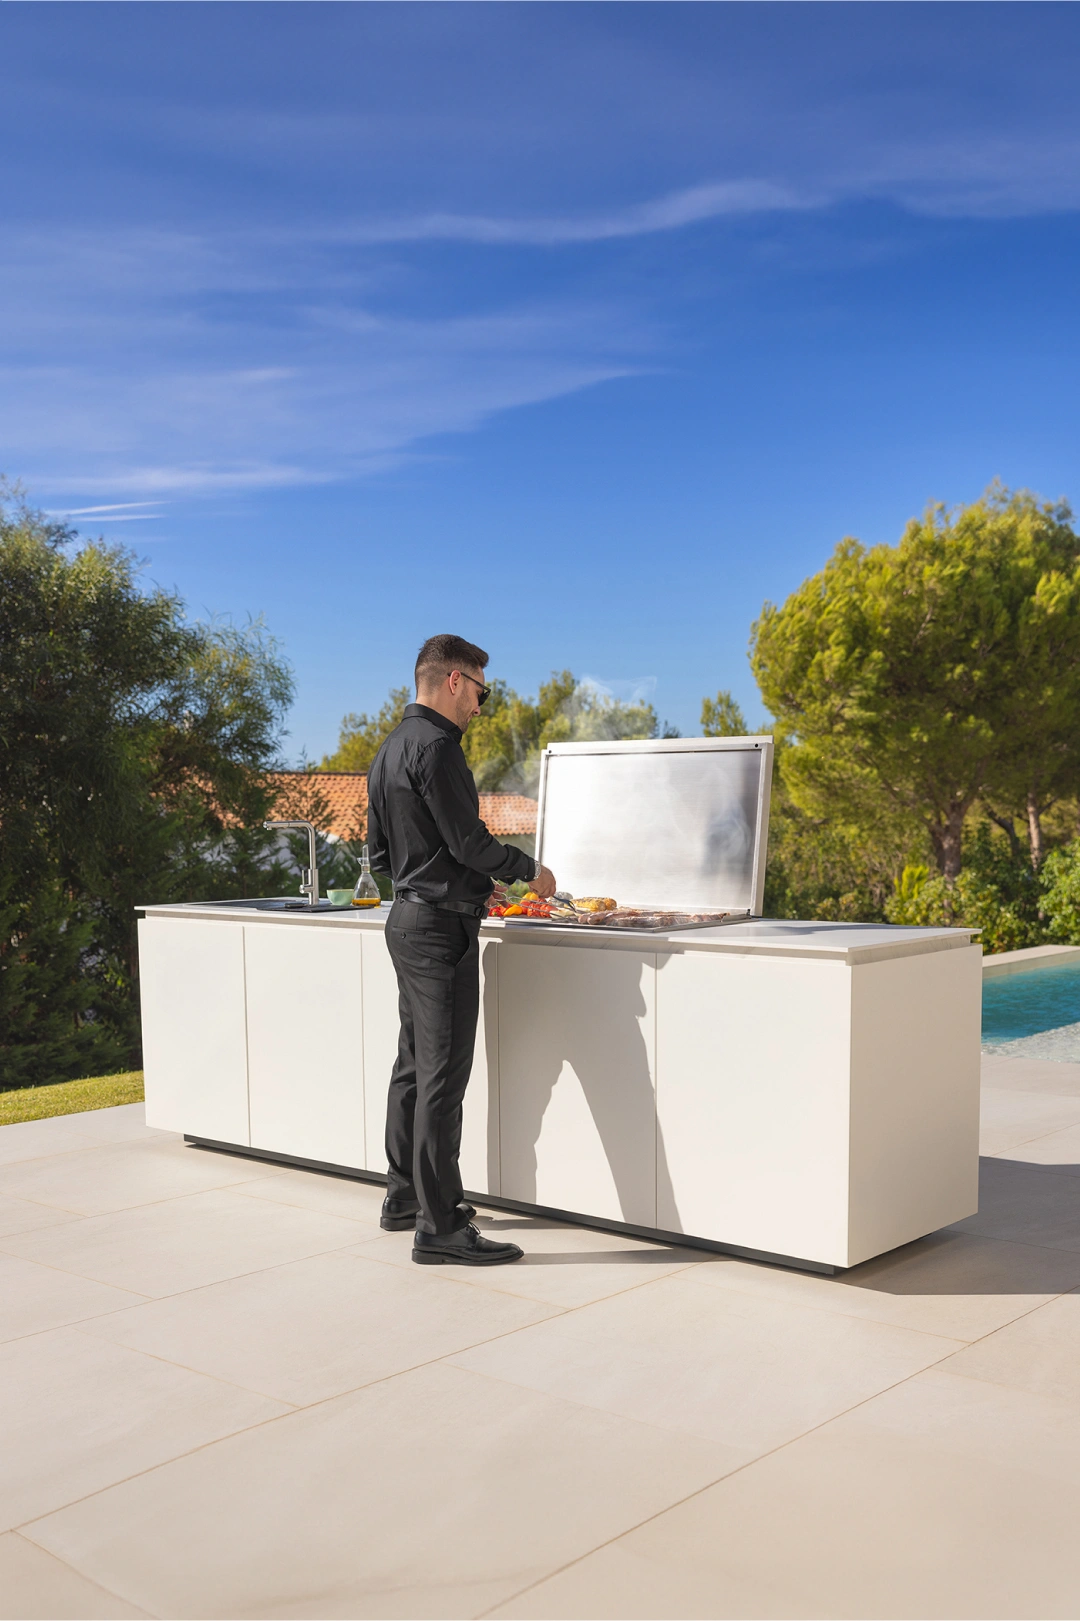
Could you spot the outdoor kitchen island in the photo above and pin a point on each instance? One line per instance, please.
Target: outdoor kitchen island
(803, 1091)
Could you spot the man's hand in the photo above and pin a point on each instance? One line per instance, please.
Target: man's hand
(543, 884)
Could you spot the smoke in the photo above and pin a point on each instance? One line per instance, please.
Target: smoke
(605, 711)
(639, 689)
(593, 710)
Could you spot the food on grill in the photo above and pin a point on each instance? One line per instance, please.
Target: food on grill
(625, 919)
(599, 912)
(530, 905)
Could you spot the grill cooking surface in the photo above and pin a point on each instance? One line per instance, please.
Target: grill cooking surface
(634, 919)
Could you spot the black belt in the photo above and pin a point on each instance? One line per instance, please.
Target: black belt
(440, 906)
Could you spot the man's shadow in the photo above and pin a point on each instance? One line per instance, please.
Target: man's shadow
(610, 1057)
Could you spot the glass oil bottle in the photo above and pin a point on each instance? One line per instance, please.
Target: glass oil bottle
(366, 892)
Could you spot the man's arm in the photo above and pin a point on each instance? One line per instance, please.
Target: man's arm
(446, 792)
(378, 849)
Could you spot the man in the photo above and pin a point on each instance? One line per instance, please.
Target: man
(424, 828)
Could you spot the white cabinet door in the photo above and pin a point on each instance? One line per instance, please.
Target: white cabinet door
(915, 1024)
(480, 1124)
(305, 1042)
(577, 1097)
(191, 987)
(752, 1086)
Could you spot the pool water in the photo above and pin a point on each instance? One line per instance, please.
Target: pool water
(1034, 1013)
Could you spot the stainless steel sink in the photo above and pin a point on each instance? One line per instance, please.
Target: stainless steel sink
(275, 904)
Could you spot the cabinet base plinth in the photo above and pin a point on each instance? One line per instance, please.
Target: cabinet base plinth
(573, 1218)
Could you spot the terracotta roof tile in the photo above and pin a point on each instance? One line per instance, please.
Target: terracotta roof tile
(346, 797)
(345, 794)
(508, 815)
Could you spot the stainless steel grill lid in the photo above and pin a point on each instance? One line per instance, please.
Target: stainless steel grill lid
(673, 822)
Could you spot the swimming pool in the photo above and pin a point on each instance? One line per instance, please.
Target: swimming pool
(1034, 1013)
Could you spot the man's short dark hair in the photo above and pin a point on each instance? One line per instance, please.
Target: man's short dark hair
(441, 654)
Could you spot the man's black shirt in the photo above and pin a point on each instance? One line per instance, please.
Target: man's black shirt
(424, 825)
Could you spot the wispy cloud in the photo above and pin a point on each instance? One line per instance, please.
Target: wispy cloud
(107, 514)
(114, 509)
(165, 362)
(187, 383)
(168, 362)
(313, 424)
(984, 176)
(690, 206)
(198, 478)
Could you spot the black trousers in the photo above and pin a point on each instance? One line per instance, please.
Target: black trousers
(437, 959)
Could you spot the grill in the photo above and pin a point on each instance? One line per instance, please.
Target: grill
(676, 828)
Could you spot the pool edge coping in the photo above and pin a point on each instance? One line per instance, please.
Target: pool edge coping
(1015, 962)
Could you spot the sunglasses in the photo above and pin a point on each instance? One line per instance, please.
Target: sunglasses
(485, 692)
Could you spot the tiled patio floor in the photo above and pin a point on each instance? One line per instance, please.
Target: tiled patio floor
(225, 1392)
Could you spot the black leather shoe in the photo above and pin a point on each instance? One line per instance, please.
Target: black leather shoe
(465, 1247)
(398, 1215)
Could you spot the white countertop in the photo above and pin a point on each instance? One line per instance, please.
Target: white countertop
(836, 942)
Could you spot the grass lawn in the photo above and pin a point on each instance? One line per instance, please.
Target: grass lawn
(70, 1097)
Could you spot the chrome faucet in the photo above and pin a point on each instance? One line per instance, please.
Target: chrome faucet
(309, 875)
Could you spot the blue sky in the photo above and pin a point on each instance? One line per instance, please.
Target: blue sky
(579, 329)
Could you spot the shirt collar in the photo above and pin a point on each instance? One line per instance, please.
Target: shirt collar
(433, 715)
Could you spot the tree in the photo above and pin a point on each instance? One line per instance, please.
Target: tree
(48, 1001)
(82, 656)
(722, 717)
(825, 864)
(134, 758)
(504, 742)
(588, 714)
(924, 676)
(993, 893)
(1060, 885)
(503, 745)
(1040, 760)
(362, 736)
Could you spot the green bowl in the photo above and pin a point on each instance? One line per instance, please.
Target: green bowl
(339, 897)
